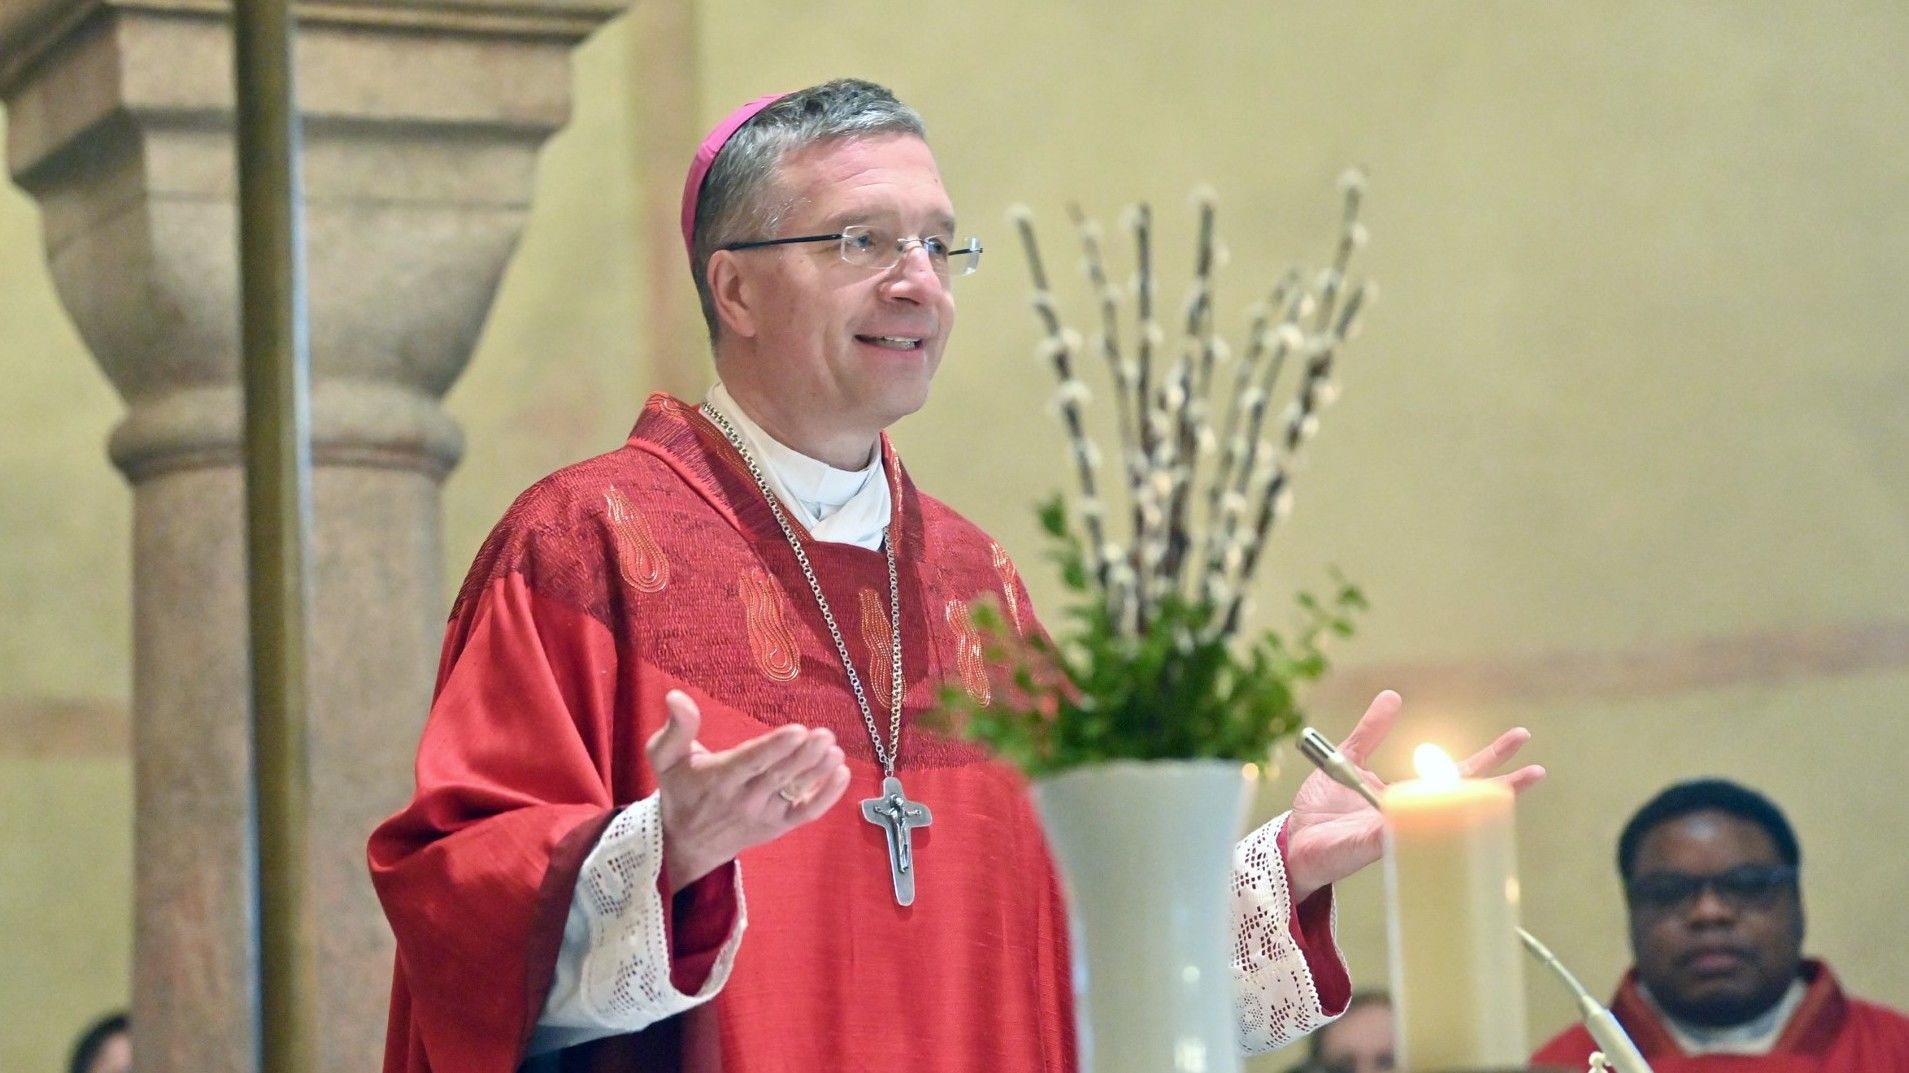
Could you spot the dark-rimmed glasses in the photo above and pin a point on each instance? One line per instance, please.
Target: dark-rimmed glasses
(1751, 886)
(877, 250)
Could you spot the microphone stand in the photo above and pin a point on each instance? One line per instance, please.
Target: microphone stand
(1616, 1049)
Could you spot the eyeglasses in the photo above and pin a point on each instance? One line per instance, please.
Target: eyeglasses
(878, 251)
(1752, 886)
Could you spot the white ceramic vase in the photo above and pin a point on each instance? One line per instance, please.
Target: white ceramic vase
(1146, 850)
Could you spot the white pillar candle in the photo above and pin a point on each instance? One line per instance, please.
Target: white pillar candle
(1452, 888)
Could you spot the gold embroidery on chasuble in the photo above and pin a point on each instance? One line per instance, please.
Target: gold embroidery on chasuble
(639, 558)
(971, 664)
(881, 648)
(1010, 578)
(765, 619)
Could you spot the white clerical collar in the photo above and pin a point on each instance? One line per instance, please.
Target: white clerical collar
(836, 505)
(1758, 1035)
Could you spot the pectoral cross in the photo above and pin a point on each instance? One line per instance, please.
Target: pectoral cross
(897, 817)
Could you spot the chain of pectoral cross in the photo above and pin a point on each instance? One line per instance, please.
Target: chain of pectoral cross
(893, 812)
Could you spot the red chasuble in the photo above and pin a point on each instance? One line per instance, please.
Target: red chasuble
(1829, 1033)
(659, 566)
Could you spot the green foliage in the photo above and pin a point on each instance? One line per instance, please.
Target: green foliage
(1181, 688)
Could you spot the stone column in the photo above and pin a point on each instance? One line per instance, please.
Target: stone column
(422, 124)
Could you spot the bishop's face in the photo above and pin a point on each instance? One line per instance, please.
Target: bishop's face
(1726, 950)
(840, 351)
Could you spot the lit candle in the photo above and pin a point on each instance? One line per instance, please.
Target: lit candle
(1452, 884)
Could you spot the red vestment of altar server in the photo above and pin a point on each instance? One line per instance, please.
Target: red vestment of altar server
(659, 566)
(1829, 1033)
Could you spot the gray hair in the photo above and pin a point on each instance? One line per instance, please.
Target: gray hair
(739, 199)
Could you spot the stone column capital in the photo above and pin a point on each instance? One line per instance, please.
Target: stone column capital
(422, 123)
(29, 29)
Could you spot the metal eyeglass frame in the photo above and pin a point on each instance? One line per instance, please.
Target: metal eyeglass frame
(969, 255)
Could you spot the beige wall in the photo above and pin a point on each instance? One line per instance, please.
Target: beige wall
(1620, 454)
(65, 577)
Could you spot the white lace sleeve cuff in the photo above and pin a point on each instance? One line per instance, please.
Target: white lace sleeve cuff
(1278, 999)
(613, 969)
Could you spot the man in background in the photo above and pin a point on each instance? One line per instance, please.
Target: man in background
(105, 1047)
(1360, 1041)
(1710, 872)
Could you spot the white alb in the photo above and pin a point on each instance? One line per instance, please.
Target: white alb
(613, 969)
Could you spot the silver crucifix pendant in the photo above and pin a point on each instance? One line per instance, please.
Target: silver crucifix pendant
(897, 817)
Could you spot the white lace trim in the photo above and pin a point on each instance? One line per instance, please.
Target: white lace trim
(613, 969)
(1278, 1001)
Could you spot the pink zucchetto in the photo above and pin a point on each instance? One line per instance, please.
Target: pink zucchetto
(706, 156)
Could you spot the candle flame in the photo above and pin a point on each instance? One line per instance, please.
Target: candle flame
(1434, 766)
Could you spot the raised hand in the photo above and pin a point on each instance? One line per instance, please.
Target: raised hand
(1332, 832)
(715, 805)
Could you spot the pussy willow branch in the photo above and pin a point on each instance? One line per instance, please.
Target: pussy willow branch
(1237, 559)
(1258, 337)
(1315, 392)
(1141, 222)
(1059, 348)
(1351, 237)
(1254, 447)
(1119, 369)
(1252, 396)
(1122, 601)
(1192, 377)
(1151, 483)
